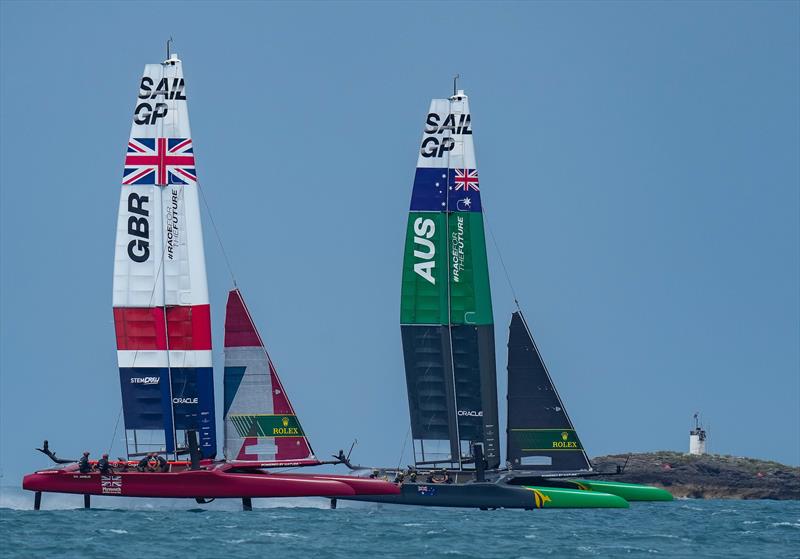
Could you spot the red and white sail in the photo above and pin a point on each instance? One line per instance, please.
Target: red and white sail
(161, 307)
(260, 422)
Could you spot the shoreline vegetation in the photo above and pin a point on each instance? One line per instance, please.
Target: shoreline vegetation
(710, 476)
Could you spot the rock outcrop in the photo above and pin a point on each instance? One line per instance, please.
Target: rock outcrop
(709, 476)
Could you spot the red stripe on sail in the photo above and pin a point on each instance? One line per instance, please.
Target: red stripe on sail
(280, 403)
(161, 159)
(185, 174)
(246, 443)
(137, 176)
(239, 329)
(145, 328)
(291, 447)
(139, 328)
(181, 145)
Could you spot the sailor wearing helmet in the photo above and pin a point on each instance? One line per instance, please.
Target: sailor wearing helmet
(103, 466)
(83, 464)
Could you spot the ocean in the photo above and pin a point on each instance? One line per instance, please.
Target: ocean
(287, 528)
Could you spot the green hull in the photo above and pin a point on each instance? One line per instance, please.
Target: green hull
(557, 498)
(628, 491)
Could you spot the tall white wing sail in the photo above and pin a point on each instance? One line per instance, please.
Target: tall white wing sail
(161, 308)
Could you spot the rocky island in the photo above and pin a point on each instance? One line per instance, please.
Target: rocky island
(708, 476)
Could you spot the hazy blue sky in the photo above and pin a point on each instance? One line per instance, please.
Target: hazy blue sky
(639, 168)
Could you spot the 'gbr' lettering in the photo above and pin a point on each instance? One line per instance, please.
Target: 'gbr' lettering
(424, 229)
(433, 146)
(139, 227)
(153, 108)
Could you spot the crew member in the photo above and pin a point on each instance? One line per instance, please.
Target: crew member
(142, 465)
(163, 466)
(83, 464)
(439, 477)
(103, 466)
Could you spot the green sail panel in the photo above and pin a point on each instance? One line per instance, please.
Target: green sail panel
(470, 296)
(545, 440)
(424, 292)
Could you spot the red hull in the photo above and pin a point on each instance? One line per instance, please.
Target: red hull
(215, 482)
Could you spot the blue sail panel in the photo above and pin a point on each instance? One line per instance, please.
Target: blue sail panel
(433, 186)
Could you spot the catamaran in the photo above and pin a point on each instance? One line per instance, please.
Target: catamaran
(162, 320)
(447, 331)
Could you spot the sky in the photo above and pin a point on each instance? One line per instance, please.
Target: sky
(639, 171)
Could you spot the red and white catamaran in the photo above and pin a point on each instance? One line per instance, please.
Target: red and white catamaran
(162, 320)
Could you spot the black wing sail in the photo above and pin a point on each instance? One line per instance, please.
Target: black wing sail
(540, 433)
(431, 393)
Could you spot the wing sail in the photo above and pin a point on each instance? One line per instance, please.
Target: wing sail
(160, 295)
(446, 307)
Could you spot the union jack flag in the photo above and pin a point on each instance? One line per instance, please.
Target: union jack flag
(111, 481)
(159, 161)
(466, 179)
(111, 485)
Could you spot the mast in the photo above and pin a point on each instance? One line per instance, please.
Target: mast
(457, 438)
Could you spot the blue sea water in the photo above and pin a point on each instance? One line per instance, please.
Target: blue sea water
(287, 528)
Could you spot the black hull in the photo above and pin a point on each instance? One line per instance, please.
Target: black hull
(469, 495)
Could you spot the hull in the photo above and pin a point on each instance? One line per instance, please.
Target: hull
(558, 498)
(494, 495)
(628, 491)
(214, 482)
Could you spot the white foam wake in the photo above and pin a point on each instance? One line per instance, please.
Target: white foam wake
(16, 498)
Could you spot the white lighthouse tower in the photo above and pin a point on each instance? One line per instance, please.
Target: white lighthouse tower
(697, 437)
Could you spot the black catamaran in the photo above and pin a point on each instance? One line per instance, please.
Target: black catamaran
(447, 331)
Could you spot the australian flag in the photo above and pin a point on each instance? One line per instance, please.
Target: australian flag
(159, 161)
(442, 189)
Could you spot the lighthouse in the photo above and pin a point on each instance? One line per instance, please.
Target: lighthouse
(697, 437)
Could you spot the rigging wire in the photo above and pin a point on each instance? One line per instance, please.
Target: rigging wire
(403, 451)
(114, 436)
(217, 235)
(500, 255)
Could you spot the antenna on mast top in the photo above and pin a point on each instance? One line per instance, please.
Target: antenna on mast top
(168, 43)
(455, 84)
